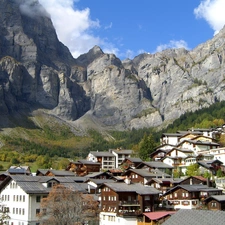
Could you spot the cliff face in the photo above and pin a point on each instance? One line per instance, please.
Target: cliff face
(38, 72)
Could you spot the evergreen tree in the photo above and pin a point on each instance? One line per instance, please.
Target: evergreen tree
(147, 146)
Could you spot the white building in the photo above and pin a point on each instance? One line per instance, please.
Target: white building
(22, 195)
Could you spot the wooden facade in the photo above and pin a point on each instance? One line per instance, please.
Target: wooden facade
(82, 168)
(126, 203)
(215, 202)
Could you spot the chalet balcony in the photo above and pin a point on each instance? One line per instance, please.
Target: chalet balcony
(129, 212)
(129, 203)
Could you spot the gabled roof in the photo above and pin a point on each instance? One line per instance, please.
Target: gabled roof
(172, 134)
(122, 151)
(166, 180)
(155, 164)
(158, 215)
(219, 198)
(136, 187)
(85, 162)
(198, 142)
(146, 174)
(203, 179)
(60, 173)
(196, 217)
(102, 154)
(35, 184)
(208, 163)
(134, 160)
(95, 174)
(193, 188)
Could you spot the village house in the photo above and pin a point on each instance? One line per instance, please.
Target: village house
(120, 155)
(215, 202)
(163, 184)
(124, 203)
(106, 159)
(130, 163)
(153, 165)
(21, 195)
(83, 167)
(188, 196)
(143, 176)
(211, 166)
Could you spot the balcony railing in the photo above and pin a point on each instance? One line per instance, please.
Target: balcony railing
(129, 203)
(129, 212)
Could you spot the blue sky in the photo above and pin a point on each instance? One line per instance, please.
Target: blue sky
(128, 28)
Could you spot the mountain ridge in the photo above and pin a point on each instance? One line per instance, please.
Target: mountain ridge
(98, 90)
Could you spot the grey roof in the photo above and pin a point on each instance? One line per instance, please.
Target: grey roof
(61, 172)
(219, 198)
(196, 217)
(172, 134)
(122, 151)
(157, 164)
(171, 180)
(133, 187)
(194, 187)
(34, 184)
(102, 154)
(94, 174)
(146, 174)
(83, 161)
(100, 181)
(134, 159)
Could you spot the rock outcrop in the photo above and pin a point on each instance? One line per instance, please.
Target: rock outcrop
(38, 72)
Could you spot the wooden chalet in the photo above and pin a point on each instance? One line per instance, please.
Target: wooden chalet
(127, 199)
(83, 167)
(143, 176)
(215, 202)
(130, 163)
(152, 165)
(163, 184)
(189, 196)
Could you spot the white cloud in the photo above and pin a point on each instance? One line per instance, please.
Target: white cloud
(73, 26)
(172, 44)
(213, 12)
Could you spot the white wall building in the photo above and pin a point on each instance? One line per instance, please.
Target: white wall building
(22, 195)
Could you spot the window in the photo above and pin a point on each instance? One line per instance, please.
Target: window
(23, 211)
(147, 197)
(38, 198)
(213, 204)
(175, 195)
(37, 211)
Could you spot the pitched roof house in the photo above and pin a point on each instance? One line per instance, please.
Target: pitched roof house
(22, 195)
(215, 202)
(188, 196)
(122, 203)
(83, 167)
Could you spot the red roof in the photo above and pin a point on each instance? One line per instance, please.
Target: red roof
(158, 215)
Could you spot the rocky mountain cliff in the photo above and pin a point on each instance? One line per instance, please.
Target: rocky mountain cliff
(37, 72)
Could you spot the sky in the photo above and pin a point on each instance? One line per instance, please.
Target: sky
(129, 28)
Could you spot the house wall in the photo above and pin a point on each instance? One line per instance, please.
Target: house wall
(22, 207)
(112, 219)
(182, 199)
(215, 205)
(135, 178)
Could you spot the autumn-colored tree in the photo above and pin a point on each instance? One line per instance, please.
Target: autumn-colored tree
(64, 206)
